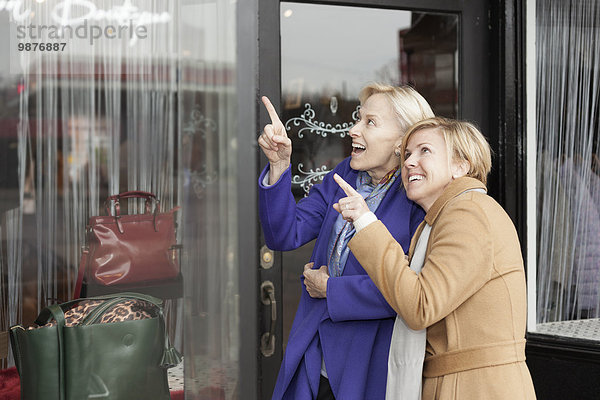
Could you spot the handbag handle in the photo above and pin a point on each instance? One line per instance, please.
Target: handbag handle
(46, 314)
(129, 195)
(112, 300)
(133, 194)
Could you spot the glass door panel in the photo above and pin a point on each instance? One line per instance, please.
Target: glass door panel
(328, 53)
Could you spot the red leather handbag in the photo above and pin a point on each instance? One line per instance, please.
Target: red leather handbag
(129, 252)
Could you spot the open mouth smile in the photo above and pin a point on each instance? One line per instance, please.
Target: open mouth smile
(357, 149)
(413, 178)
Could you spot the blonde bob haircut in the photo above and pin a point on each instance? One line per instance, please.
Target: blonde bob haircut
(464, 142)
(409, 105)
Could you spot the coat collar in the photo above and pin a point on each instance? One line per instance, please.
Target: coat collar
(453, 189)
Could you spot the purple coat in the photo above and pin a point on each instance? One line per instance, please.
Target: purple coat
(353, 325)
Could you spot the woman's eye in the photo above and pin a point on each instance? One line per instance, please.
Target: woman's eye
(371, 122)
(425, 150)
(406, 156)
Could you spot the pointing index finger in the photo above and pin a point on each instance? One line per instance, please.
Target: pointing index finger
(271, 110)
(349, 190)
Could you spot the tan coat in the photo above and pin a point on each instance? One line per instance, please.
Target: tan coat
(470, 295)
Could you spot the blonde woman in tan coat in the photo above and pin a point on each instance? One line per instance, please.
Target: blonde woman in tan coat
(470, 293)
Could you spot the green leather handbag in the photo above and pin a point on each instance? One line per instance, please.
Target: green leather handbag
(94, 360)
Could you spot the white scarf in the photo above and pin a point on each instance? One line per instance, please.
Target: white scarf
(407, 349)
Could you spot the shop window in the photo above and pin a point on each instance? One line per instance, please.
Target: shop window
(568, 169)
(98, 98)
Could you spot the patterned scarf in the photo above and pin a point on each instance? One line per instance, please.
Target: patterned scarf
(343, 231)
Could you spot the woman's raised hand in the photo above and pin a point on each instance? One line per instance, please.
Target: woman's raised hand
(353, 206)
(275, 143)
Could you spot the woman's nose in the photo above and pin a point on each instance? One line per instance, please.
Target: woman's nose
(355, 130)
(410, 161)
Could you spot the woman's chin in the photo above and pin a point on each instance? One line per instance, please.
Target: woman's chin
(412, 193)
(355, 163)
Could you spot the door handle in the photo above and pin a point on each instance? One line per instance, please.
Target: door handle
(267, 340)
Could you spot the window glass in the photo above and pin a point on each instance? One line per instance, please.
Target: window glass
(568, 168)
(88, 110)
(99, 98)
(209, 131)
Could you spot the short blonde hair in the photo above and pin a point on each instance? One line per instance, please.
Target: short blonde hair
(464, 143)
(409, 105)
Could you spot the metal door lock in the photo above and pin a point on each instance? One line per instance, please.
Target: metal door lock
(266, 257)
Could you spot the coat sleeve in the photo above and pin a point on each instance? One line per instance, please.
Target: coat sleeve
(287, 225)
(458, 263)
(355, 297)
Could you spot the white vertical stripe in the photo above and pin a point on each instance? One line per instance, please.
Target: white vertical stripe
(531, 126)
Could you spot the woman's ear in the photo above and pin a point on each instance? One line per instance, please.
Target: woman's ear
(460, 168)
(397, 148)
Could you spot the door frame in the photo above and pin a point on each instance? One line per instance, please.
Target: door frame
(502, 121)
(247, 204)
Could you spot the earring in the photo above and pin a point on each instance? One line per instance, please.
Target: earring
(397, 152)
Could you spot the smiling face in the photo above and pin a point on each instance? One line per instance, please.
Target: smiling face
(427, 168)
(374, 137)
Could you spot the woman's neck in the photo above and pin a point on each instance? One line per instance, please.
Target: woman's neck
(376, 178)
